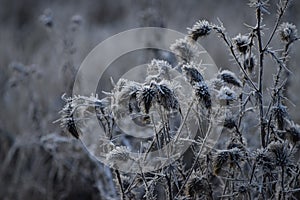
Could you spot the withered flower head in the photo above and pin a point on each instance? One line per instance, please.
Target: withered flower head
(146, 98)
(200, 29)
(192, 74)
(287, 32)
(229, 77)
(241, 43)
(202, 93)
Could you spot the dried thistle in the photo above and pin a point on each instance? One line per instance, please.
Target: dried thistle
(192, 74)
(120, 155)
(165, 96)
(67, 120)
(216, 83)
(280, 153)
(158, 70)
(264, 159)
(202, 93)
(125, 96)
(146, 98)
(231, 157)
(229, 77)
(220, 161)
(200, 29)
(226, 95)
(287, 32)
(184, 50)
(198, 186)
(241, 43)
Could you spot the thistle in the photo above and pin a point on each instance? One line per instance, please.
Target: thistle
(229, 77)
(287, 32)
(226, 95)
(184, 50)
(202, 94)
(146, 98)
(192, 74)
(200, 29)
(165, 96)
(241, 43)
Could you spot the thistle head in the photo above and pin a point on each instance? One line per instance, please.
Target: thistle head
(192, 74)
(201, 28)
(241, 43)
(202, 93)
(230, 78)
(287, 32)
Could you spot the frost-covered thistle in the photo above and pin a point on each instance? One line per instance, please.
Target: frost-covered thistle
(165, 96)
(184, 50)
(118, 156)
(124, 97)
(158, 70)
(216, 83)
(287, 32)
(226, 95)
(68, 121)
(227, 158)
(220, 160)
(146, 98)
(192, 74)
(229, 77)
(280, 153)
(202, 94)
(200, 29)
(198, 186)
(241, 43)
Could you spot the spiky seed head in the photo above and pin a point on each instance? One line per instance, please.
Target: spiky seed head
(241, 43)
(125, 97)
(202, 93)
(158, 70)
(192, 74)
(220, 161)
(166, 96)
(287, 32)
(146, 98)
(280, 153)
(216, 83)
(184, 50)
(197, 186)
(230, 78)
(67, 120)
(226, 95)
(200, 29)
(118, 156)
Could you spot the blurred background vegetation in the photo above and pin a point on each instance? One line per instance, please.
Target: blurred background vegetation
(42, 46)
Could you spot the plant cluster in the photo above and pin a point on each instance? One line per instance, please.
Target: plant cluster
(232, 169)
